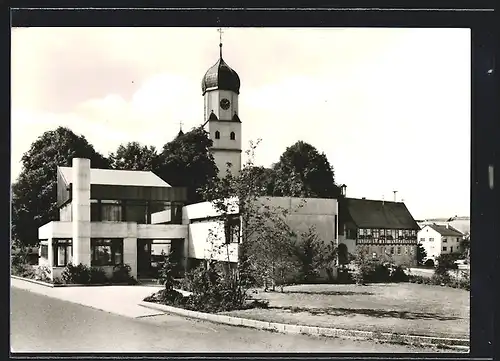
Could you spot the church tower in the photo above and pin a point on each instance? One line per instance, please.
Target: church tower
(221, 88)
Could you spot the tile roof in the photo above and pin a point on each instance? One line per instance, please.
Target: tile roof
(367, 213)
(443, 231)
(118, 177)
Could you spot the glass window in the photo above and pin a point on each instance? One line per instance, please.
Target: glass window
(44, 251)
(94, 211)
(399, 250)
(422, 240)
(107, 252)
(217, 134)
(111, 211)
(63, 252)
(431, 239)
(160, 249)
(445, 240)
(136, 212)
(232, 136)
(445, 248)
(392, 250)
(406, 250)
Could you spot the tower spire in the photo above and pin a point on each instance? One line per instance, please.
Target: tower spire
(220, 40)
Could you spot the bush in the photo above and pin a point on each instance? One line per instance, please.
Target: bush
(168, 297)
(79, 274)
(398, 275)
(23, 270)
(121, 274)
(166, 274)
(42, 273)
(98, 276)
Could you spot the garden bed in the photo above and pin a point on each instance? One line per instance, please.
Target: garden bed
(403, 308)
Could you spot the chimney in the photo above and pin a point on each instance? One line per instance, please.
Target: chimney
(395, 192)
(383, 199)
(80, 205)
(343, 190)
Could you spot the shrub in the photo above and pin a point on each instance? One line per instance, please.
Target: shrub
(398, 275)
(168, 297)
(23, 270)
(42, 273)
(166, 274)
(121, 274)
(98, 276)
(79, 274)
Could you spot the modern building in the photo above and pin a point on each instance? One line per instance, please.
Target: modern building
(440, 239)
(113, 217)
(386, 230)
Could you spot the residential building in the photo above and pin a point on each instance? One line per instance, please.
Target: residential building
(386, 230)
(440, 239)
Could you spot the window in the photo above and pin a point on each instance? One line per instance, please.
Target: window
(335, 227)
(411, 250)
(232, 136)
(136, 211)
(406, 250)
(399, 250)
(445, 240)
(217, 134)
(458, 239)
(392, 250)
(431, 239)
(422, 240)
(111, 211)
(160, 249)
(451, 249)
(63, 252)
(44, 250)
(106, 252)
(232, 230)
(445, 249)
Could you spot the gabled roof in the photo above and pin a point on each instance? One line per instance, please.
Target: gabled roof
(447, 232)
(117, 177)
(366, 213)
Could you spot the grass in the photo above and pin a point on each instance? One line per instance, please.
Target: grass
(400, 308)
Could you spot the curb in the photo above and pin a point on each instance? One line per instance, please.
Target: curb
(462, 344)
(41, 283)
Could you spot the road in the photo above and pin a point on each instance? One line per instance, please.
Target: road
(41, 324)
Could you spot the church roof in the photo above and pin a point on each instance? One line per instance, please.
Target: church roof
(220, 76)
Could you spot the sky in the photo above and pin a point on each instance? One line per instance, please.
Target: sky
(390, 108)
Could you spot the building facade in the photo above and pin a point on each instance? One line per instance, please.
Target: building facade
(385, 230)
(440, 239)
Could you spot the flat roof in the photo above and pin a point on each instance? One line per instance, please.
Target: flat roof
(118, 177)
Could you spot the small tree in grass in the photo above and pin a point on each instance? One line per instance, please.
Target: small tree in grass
(266, 241)
(421, 254)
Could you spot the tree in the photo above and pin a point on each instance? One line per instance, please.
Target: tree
(34, 194)
(267, 242)
(421, 254)
(304, 172)
(134, 156)
(314, 255)
(187, 162)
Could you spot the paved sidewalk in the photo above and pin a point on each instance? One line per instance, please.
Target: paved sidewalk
(121, 300)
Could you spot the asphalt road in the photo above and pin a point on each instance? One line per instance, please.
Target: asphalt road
(41, 324)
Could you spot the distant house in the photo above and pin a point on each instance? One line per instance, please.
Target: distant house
(460, 223)
(386, 229)
(440, 239)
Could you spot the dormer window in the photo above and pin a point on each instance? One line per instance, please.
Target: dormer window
(217, 134)
(232, 136)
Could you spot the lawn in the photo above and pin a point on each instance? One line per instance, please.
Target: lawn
(408, 308)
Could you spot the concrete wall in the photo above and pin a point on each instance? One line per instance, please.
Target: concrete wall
(204, 244)
(81, 211)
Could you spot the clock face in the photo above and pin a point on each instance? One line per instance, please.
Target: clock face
(225, 103)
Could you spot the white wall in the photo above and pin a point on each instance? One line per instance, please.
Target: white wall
(204, 245)
(433, 249)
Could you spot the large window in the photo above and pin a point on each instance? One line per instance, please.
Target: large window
(136, 211)
(107, 252)
(63, 252)
(111, 211)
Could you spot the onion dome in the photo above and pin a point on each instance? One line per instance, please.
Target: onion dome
(220, 76)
